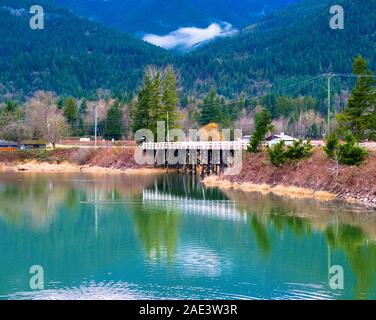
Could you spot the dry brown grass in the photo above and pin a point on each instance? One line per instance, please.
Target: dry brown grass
(280, 190)
(116, 158)
(317, 173)
(82, 156)
(108, 158)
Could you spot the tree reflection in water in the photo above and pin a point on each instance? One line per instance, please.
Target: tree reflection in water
(96, 221)
(345, 230)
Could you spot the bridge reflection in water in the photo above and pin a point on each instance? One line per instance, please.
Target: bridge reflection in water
(217, 209)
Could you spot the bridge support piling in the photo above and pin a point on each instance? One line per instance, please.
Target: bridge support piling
(208, 166)
(209, 155)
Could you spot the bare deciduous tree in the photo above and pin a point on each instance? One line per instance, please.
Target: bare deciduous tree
(44, 119)
(187, 118)
(16, 131)
(57, 128)
(245, 122)
(102, 107)
(310, 124)
(281, 125)
(127, 120)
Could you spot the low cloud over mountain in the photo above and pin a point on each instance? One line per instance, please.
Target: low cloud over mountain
(189, 37)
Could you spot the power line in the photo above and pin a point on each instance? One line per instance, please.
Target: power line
(293, 86)
(244, 99)
(350, 75)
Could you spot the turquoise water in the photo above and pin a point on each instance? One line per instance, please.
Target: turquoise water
(117, 237)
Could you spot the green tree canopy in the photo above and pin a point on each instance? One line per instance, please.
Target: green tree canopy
(113, 129)
(157, 99)
(142, 114)
(359, 115)
(263, 125)
(170, 98)
(211, 109)
(70, 112)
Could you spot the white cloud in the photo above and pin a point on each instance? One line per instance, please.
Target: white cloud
(15, 12)
(186, 38)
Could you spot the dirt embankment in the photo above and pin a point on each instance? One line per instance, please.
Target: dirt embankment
(317, 177)
(102, 160)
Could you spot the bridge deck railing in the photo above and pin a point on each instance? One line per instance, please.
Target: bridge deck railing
(196, 145)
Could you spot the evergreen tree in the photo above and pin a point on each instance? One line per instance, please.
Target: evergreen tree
(157, 110)
(143, 109)
(170, 98)
(314, 131)
(331, 146)
(263, 125)
(157, 100)
(81, 118)
(359, 115)
(10, 106)
(349, 153)
(211, 109)
(11, 112)
(113, 128)
(70, 112)
(279, 154)
(60, 103)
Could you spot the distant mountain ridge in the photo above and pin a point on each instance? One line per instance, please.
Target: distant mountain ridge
(164, 16)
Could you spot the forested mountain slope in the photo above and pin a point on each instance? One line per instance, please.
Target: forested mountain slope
(70, 56)
(74, 56)
(291, 44)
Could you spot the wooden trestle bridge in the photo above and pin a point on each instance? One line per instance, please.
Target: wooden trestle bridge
(193, 157)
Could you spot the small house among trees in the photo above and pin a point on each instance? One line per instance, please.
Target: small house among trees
(33, 144)
(277, 138)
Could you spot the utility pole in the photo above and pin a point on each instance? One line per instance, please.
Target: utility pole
(329, 101)
(168, 129)
(96, 126)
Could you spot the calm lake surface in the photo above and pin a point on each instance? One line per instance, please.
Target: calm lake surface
(121, 237)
